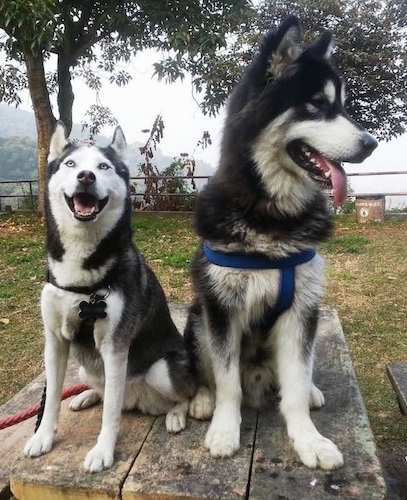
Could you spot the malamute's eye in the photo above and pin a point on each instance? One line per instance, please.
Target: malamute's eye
(318, 103)
(103, 166)
(70, 163)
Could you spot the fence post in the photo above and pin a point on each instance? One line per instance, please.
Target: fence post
(31, 196)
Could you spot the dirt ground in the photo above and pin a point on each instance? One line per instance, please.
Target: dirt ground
(394, 463)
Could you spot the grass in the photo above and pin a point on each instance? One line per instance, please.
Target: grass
(366, 275)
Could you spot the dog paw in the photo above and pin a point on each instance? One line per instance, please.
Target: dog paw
(317, 399)
(84, 400)
(318, 451)
(39, 444)
(98, 459)
(202, 404)
(176, 418)
(223, 437)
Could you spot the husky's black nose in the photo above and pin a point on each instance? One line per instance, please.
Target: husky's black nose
(86, 177)
(369, 143)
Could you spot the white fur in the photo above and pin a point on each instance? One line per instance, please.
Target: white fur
(202, 405)
(338, 138)
(158, 377)
(280, 175)
(58, 142)
(330, 92)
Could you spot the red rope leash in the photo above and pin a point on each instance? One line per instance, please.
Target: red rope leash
(33, 410)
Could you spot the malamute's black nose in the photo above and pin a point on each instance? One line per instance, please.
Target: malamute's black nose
(369, 143)
(86, 177)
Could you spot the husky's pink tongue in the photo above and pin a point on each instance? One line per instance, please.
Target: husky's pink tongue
(85, 204)
(338, 178)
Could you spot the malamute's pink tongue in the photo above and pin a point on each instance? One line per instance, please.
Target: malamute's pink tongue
(338, 178)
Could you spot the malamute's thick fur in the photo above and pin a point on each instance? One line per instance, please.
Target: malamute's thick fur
(285, 135)
(134, 357)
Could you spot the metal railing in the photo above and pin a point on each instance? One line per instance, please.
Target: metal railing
(156, 193)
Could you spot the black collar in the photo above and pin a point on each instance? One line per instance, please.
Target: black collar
(85, 290)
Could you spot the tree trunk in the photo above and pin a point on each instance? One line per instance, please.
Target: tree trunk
(65, 93)
(44, 118)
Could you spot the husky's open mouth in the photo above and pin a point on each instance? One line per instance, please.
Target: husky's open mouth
(85, 206)
(327, 173)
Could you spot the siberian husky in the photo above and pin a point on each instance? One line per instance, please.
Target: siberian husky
(260, 218)
(103, 302)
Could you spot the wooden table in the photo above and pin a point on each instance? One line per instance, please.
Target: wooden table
(152, 464)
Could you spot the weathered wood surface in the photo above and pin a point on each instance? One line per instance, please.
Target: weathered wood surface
(397, 373)
(150, 463)
(60, 475)
(13, 439)
(276, 470)
(179, 466)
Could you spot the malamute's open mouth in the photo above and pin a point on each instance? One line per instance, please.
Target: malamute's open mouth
(85, 206)
(327, 173)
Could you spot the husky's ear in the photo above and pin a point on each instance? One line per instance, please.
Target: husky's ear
(288, 46)
(119, 143)
(58, 142)
(324, 46)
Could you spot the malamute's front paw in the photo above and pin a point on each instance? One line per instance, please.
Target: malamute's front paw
(176, 418)
(202, 404)
(39, 444)
(315, 450)
(223, 436)
(98, 459)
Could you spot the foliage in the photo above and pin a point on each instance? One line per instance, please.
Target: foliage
(164, 190)
(371, 40)
(91, 38)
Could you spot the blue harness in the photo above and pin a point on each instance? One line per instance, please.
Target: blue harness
(257, 261)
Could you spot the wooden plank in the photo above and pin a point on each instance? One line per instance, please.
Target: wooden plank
(277, 472)
(397, 373)
(60, 474)
(179, 467)
(13, 438)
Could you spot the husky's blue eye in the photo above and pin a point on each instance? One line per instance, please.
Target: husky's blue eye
(70, 163)
(103, 166)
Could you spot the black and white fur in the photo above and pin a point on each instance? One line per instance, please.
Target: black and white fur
(133, 358)
(285, 133)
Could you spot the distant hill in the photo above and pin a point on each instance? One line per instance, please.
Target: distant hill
(18, 138)
(15, 122)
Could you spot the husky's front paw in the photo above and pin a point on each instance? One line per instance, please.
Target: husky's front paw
(223, 436)
(39, 444)
(98, 458)
(317, 399)
(315, 450)
(176, 418)
(202, 404)
(84, 400)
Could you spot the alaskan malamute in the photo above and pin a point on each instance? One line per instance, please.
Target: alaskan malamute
(257, 278)
(103, 302)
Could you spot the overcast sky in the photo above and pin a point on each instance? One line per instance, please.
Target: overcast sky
(136, 105)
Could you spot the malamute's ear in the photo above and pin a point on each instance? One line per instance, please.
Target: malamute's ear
(119, 142)
(288, 46)
(59, 141)
(324, 46)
